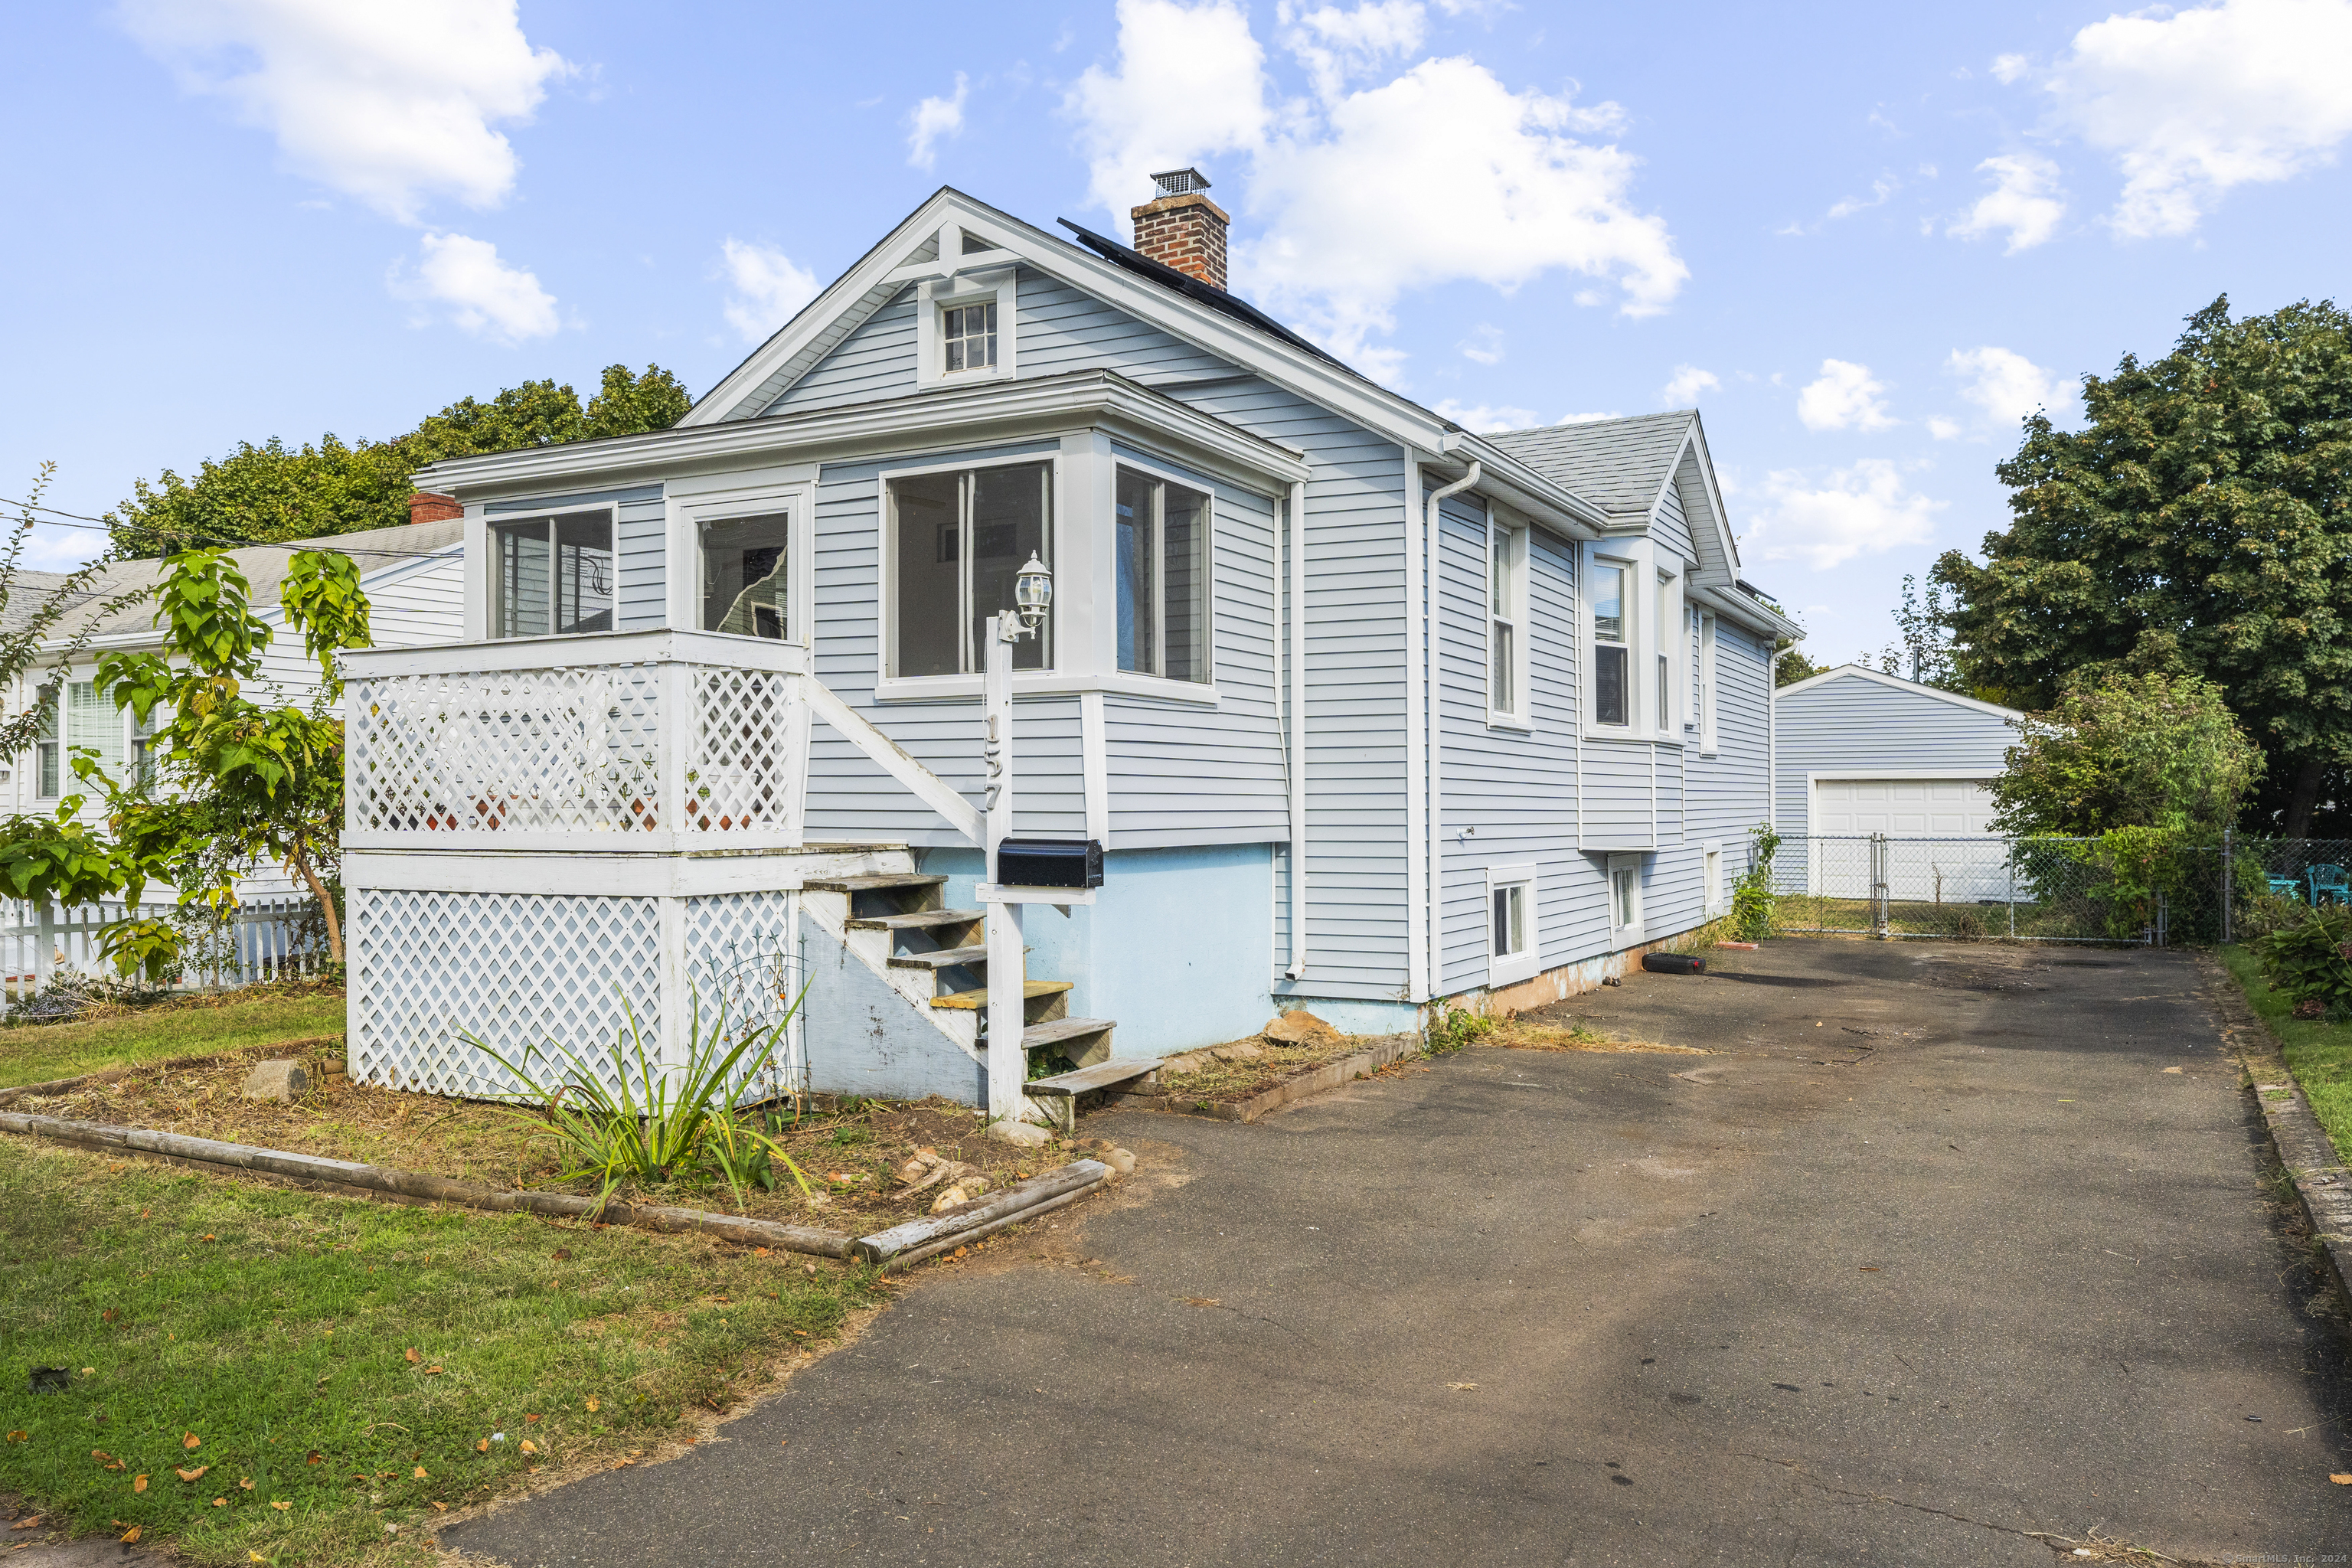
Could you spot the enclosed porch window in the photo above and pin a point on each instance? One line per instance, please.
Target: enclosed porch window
(958, 541)
(1160, 556)
(551, 575)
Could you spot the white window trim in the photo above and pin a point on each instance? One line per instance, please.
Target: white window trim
(795, 496)
(1710, 697)
(1527, 964)
(492, 523)
(1514, 611)
(1621, 937)
(935, 297)
(1710, 872)
(1158, 685)
(1667, 644)
(1632, 555)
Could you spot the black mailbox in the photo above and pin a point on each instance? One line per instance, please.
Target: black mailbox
(1049, 863)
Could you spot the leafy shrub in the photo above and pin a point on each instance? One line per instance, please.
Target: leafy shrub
(2311, 962)
(2265, 914)
(1451, 1028)
(1751, 897)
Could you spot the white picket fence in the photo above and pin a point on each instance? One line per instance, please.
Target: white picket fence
(268, 938)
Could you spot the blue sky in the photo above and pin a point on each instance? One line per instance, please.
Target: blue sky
(1864, 239)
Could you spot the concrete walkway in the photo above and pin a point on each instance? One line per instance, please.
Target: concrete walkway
(1938, 1252)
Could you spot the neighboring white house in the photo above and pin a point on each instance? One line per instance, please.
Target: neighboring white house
(413, 577)
(1366, 711)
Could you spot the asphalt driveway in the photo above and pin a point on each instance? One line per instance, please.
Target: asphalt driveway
(1945, 1247)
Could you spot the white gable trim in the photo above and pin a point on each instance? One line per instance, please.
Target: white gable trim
(869, 285)
(1896, 683)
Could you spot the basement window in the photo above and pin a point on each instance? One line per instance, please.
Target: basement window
(1512, 947)
(1625, 900)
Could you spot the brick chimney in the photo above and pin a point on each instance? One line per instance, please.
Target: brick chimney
(1183, 228)
(427, 507)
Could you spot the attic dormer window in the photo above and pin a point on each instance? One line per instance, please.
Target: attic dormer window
(970, 333)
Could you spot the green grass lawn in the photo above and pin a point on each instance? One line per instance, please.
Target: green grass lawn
(36, 1053)
(344, 1365)
(2318, 1053)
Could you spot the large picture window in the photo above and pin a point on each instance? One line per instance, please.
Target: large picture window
(1160, 557)
(551, 575)
(745, 575)
(1611, 646)
(958, 540)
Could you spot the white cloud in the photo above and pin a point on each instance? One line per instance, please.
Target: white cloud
(1336, 46)
(1682, 387)
(483, 295)
(769, 288)
(1943, 429)
(1527, 186)
(2025, 200)
(2196, 102)
(1587, 419)
(2008, 68)
(394, 104)
(2007, 386)
(1880, 188)
(932, 118)
(1864, 510)
(1844, 397)
(1484, 344)
(1191, 83)
(1484, 417)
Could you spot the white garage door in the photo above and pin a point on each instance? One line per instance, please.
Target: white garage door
(1968, 865)
(1902, 808)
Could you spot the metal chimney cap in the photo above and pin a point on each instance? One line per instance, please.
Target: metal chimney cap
(1180, 182)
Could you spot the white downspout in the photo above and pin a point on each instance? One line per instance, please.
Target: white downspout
(1435, 877)
(1298, 529)
(1773, 739)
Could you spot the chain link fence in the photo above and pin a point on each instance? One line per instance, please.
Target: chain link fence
(2120, 888)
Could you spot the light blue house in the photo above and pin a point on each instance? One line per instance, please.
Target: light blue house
(1364, 710)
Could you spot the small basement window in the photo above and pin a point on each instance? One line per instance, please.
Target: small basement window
(1160, 557)
(551, 575)
(1624, 900)
(1512, 946)
(744, 575)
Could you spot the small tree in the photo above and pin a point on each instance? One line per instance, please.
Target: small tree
(236, 785)
(2129, 751)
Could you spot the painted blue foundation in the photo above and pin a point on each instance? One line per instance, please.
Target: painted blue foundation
(1178, 946)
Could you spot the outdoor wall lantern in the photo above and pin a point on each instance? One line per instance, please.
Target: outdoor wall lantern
(1032, 591)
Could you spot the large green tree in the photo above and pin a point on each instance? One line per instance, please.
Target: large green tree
(265, 493)
(2201, 523)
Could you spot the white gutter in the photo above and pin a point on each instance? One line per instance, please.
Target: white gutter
(1434, 876)
(1772, 740)
(1297, 518)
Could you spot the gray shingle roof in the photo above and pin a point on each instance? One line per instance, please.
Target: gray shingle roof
(373, 550)
(1619, 465)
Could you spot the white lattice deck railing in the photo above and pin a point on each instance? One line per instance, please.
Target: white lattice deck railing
(662, 742)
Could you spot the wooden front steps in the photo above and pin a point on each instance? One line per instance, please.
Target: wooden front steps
(900, 921)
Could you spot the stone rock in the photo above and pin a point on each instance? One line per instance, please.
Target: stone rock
(1119, 1159)
(950, 1198)
(1027, 1134)
(279, 1080)
(1191, 1061)
(1301, 1029)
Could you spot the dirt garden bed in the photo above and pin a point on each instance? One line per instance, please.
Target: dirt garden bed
(850, 1155)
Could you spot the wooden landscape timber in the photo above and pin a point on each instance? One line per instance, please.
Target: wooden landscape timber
(920, 1239)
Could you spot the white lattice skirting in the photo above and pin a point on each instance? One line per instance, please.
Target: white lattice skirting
(549, 973)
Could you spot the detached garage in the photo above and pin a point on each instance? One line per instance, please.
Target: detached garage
(1858, 753)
